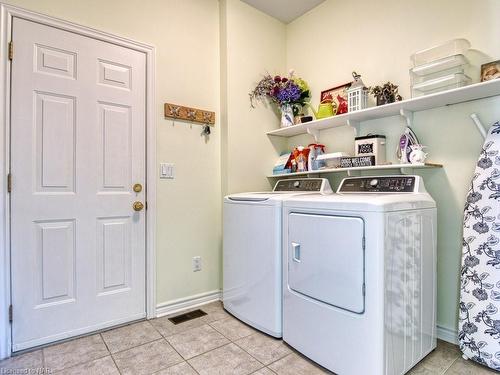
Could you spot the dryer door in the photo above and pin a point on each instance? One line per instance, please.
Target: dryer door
(326, 259)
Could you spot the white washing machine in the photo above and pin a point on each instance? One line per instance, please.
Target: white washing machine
(359, 275)
(252, 257)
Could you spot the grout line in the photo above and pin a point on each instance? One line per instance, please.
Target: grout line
(235, 343)
(175, 350)
(110, 354)
(229, 338)
(189, 364)
(136, 346)
(43, 360)
(208, 351)
(451, 364)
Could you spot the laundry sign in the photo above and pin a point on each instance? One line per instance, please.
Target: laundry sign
(357, 161)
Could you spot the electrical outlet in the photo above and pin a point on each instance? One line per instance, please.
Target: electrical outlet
(196, 264)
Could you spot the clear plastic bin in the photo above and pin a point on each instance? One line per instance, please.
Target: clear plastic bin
(440, 84)
(447, 49)
(418, 79)
(433, 67)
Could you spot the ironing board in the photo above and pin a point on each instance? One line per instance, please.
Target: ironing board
(479, 315)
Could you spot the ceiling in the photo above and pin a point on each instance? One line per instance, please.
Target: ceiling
(284, 10)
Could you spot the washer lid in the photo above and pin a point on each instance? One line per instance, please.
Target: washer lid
(283, 190)
(271, 198)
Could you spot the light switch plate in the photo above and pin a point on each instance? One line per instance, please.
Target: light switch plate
(167, 170)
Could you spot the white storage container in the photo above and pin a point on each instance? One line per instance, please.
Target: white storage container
(448, 82)
(372, 144)
(441, 51)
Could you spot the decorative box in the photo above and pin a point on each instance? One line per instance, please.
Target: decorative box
(371, 145)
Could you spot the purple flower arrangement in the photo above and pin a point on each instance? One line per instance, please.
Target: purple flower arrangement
(282, 91)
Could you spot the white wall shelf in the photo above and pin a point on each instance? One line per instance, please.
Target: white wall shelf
(404, 108)
(401, 167)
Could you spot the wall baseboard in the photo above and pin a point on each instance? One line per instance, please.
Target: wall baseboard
(447, 334)
(170, 307)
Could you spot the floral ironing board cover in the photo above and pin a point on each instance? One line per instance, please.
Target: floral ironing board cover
(479, 310)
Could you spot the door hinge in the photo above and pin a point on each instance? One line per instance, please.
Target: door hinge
(364, 289)
(363, 243)
(146, 205)
(10, 313)
(11, 50)
(9, 183)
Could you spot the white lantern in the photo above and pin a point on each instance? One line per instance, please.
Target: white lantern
(357, 94)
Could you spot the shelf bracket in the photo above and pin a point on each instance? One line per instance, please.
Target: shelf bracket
(408, 116)
(314, 133)
(479, 125)
(354, 125)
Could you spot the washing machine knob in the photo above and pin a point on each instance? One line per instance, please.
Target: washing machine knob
(296, 184)
(374, 182)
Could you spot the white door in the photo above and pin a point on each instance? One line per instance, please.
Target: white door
(326, 259)
(77, 149)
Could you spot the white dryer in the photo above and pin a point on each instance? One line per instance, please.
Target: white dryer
(359, 275)
(252, 257)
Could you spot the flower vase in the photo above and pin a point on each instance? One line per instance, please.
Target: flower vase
(286, 116)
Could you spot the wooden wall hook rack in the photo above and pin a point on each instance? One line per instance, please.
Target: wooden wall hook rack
(180, 112)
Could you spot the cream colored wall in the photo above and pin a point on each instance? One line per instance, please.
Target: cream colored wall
(376, 38)
(254, 43)
(185, 34)
(323, 46)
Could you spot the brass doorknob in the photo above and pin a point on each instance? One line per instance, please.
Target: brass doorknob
(137, 188)
(138, 206)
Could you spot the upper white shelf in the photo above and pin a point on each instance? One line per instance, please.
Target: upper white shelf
(440, 99)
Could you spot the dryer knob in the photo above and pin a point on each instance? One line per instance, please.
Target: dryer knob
(374, 182)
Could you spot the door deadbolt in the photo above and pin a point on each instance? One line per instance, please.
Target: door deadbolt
(138, 206)
(137, 188)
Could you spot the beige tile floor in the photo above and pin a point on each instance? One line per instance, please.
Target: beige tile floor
(214, 344)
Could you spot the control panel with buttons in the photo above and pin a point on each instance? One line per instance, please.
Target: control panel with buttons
(309, 184)
(381, 184)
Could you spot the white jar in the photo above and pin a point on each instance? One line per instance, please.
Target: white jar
(372, 144)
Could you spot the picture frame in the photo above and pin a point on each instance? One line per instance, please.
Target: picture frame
(490, 71)
(335, 92)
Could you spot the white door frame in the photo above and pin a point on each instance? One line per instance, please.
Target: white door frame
(7, 12)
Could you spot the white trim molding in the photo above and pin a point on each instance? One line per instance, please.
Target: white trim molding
(176, 305)
(7, 12)
(447, 334)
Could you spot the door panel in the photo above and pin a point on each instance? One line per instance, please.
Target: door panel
(114, 255)
(326, 259)
(55, 61)
(55, 124)
(55, 242)
(78, 146)
(116, 148)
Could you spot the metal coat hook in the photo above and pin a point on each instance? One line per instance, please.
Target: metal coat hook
(174, 111)
(191, 114)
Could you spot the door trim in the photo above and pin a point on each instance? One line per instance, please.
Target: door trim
(7, 12)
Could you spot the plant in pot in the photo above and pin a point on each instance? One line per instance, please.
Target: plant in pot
(388, 93)
(290, 94)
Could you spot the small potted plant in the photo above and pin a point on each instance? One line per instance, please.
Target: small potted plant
(388, 93)
(289, 94)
